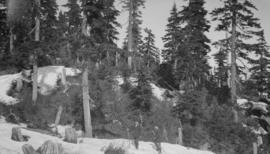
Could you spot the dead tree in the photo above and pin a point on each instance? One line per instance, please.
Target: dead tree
(130, 34)
(85, 89)
(58, 116)
(35, 67)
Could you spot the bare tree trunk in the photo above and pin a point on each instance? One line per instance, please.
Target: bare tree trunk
(64, 80)
(35, 67)
(86, 106)
(116, 58)
(255, 148)
(175, 65)
(85, 89)
(233, 66)
(58, 115)
(130, 34)
(180, 134)
(165, 135)
(11, 41)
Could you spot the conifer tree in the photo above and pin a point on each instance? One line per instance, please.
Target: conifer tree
(98, 19)
(221, 71)
(237, 18)
(3, 31)
(134, 29)
(260, 65)
(171, 39)
(73, 15)
(48, 17)
(148, 49)
(192, 66)
(142, 93)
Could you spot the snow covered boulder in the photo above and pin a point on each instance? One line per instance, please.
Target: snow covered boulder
(11, 82)
(49, 77)
(252, 105)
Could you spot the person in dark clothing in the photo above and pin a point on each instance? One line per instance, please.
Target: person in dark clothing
(157, 138)
(136, 133)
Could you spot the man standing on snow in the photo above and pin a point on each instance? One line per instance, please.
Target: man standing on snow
(157, 138)
(136, 133)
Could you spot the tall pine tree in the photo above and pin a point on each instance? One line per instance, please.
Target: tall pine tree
(48, 12)
(171, 38)
(134, 38)
(237, 18)
(192, 67)
(73, 14)
(260, 66)
(149, 51)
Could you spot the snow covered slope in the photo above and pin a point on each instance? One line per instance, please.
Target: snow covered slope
(95, 146)
(157, 91)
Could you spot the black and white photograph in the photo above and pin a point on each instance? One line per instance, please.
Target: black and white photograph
(134, 76)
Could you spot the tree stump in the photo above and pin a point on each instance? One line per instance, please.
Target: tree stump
(28, 149)
(70, 135)
(50, 147)
(17, 134)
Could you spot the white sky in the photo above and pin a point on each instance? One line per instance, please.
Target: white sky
(156, 13)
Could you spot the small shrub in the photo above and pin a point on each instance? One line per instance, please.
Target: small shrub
(114, 150)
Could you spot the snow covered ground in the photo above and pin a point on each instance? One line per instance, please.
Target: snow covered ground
(86, 146)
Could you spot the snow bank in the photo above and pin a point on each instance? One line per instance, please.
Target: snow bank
(86, 146)
(157, 91)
